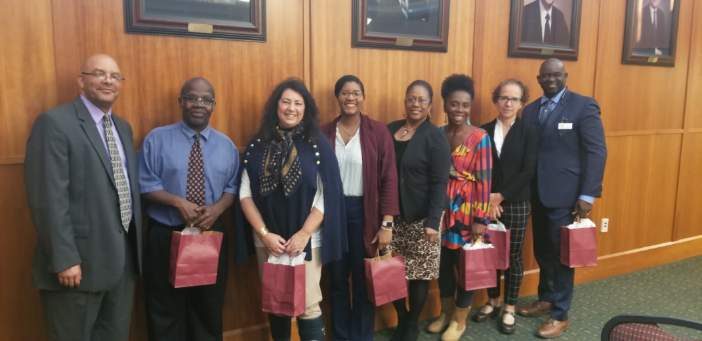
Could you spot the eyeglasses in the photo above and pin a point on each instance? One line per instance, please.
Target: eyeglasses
(420, 100)
(206, 100)
(356, 93)
(102, 75)
(505, 99)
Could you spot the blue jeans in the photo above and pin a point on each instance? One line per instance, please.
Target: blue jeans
(352, 315)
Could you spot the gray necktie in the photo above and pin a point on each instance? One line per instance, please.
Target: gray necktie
(125, 202)
(544, 111)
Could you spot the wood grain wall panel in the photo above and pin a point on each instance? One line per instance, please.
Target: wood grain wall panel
(640, 209)
(491, 64)
(688, 214)
(20, 311)
(242, 73)
(635, 97)
(385, 73)
(693, 111)
(27, 68)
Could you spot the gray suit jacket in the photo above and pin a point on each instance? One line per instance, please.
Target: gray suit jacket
(73, 199)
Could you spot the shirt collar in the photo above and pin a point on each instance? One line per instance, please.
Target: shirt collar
(190, 133)
(94, 111)
(554, 99)
(544, 11)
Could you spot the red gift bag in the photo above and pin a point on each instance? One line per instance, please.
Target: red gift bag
(579, 244)
(194, 258)
(499, 238)
(477, 268)
(283, 291)
(386, 279)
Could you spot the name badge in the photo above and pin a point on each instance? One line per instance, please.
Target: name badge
(565, 126)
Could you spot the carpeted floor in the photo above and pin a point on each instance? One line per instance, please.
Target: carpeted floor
(673, 290)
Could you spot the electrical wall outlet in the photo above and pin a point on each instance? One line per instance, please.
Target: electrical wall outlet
(604, 227)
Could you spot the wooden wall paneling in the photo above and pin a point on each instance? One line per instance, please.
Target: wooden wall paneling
(693, 113)
(27, 66)
(20, 311)
(639, 191)
(385, 73)
(688, 214)
(635, 97)
(491, 64)
(242, 73)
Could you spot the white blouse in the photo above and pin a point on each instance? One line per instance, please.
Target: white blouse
(350, 163)
(317, 202)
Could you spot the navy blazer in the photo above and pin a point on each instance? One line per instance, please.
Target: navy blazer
(571, 161)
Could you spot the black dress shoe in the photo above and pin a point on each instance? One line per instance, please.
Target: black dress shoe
(480, 316)
(507, 328)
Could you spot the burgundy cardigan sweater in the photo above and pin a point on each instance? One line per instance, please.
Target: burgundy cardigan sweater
(380, 194)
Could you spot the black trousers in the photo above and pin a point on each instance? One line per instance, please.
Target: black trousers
(187, 314)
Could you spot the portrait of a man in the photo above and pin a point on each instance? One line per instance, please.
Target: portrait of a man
(654, 27)
(546, 22)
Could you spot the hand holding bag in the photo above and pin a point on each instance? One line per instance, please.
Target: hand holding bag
(579, 244)
(194, 257)
(386, 279)
(283, 282)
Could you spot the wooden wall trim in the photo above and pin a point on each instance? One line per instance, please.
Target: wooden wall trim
(12, 160)
(643, 132)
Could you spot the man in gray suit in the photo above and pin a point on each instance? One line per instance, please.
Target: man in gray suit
(82, 186)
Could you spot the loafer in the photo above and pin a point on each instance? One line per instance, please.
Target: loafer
(534, 309)
(504, 327)
(552, 329)
(481, 316)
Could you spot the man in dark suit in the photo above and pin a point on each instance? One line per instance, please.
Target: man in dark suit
(570, 166)
(83, 191)
(544, 23)
(655, 37)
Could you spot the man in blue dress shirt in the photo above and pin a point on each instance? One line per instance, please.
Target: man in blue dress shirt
(187, 173)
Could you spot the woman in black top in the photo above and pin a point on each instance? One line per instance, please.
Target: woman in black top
(422, 154)
(514, 148)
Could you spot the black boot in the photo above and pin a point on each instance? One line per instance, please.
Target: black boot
(280, 327)
(399, 333)
(311, 329)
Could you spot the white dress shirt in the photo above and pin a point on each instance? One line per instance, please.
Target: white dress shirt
(544, 12)
(350, 163)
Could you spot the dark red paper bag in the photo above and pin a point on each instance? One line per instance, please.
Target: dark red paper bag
(194, 258)
(386, 279)
(499, 238)
(578, 246)
(477, 268)
(283, 291)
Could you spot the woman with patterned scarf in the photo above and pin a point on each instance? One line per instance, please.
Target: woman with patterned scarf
(290, 190)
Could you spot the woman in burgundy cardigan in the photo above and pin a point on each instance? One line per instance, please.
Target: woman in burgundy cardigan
(364, 149)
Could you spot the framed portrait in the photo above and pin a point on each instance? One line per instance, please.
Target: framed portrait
(544, 29)
(223, 19)
(651, 31)
(401, 24)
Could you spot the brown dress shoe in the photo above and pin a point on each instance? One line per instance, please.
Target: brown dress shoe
(534, 309)
(552, 329)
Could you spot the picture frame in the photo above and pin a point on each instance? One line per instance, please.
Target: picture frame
(650, 32)
(544, 28)
(218, 19)
(420, 25)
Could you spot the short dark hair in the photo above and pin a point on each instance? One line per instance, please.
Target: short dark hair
(310, 120)
(498, 89)
(424, 84)
(189, 83)
(346, 79)
(457, 82)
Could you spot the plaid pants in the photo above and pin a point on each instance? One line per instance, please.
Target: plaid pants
(514, 217)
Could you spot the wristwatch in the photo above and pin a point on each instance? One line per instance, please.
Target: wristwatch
(387, 225)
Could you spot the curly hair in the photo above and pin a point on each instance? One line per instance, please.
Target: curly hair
(310, 119)
(498, 89)
(457, 82)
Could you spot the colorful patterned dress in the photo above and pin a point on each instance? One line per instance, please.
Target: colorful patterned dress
(468, 188)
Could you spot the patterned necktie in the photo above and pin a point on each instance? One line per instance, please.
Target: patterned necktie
(544, 111)
(548, 35)
(125, 201)
(195, 189)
